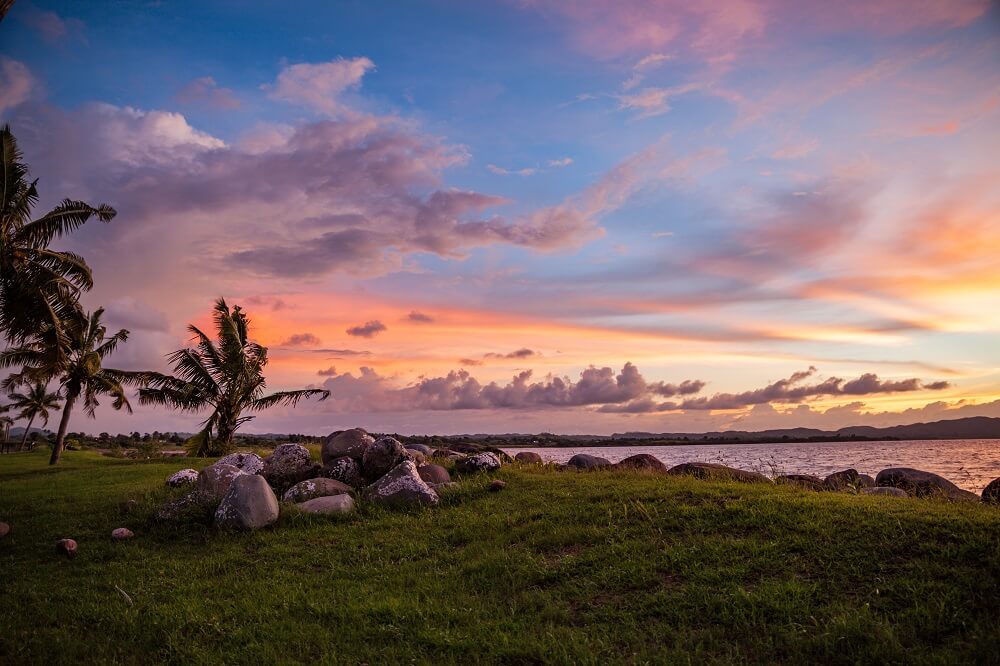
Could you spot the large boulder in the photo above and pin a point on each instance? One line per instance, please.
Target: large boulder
(717, 472)
(807, 481)
(478, 462)
(529, 458)
(351, 443)
(991, 493)
(587, 461)
(884, 490)
(433, 473)
(288, 465)
(402, 486)
(248, 505)
(842, 480)
(185, 477)
(313, 488)
(922, 484)
(344, 469)
(383, 455)
(642, 461)
(214, 480)
(248, 463)
(329, 504)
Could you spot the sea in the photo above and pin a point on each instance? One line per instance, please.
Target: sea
(968, 463)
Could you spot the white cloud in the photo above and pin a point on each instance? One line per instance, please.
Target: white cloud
(320, 85)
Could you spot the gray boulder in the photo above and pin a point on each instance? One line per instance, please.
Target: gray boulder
(402, 486)
(717, 472)
(923, 484)
(642, 461)
(478, 462)
(248, 505)
(991, 493)
(184, 477)
(884, 490)
(288, 465)
(248, 463)
(328, 504)
(214, 480)
(345, 469)
(587, 461)
(304, 491)
(382, 456)
(433, 474)
(350, 443)
(421, 448)
(528, 458)
(807, 481)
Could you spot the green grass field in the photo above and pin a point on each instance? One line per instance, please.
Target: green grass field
(560, 567)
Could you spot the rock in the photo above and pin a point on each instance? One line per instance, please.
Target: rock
(433, 474)
(866, 481)
(249, 504)
(4, 529)
(922, 484)
(313, 488)
(991, 493)
(891, 492)
(843, 480)
(715, 471)
(438, 487)
(345, 470)
(66, 547)
(402, 486)
(351, 443)
(184, 477)
(288, 465)
(447, 454)
(496, 485)
(528, 458)
(477, 462)
(328, 504)
(642, 461)
(196, 506)
(807, 481)
(128, 506)
(420, 448)
(215, 480)
(416, 456)
(122, 533)
(587, 461)
(382, 456)
(248, 463)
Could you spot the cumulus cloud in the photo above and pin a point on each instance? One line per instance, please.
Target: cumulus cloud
(300, 340)
(206, 91)
(367, 330)
(320, 85)
(16, 83)
(327, 372)
(419, 317)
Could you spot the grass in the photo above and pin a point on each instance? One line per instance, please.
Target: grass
(560, 567)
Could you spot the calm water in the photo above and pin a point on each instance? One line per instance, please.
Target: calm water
(969, 463)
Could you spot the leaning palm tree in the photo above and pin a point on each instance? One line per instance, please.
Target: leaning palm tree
(35, 401)
(39, 287)
(79, 369)
(224, 375)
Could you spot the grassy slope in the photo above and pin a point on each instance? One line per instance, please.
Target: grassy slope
(559, 567)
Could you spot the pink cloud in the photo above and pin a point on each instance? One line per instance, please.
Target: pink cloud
(206, 91)
(320, 85)
(16, 83)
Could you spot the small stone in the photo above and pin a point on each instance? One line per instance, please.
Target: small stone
(496, 485)
(122, 533)
(329, 504)
(182, 478)
(66, 547)
(4, 530)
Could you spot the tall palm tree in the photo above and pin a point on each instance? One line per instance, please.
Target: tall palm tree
(39, 287)
(224, 375)
(79, 369)
(34, 402)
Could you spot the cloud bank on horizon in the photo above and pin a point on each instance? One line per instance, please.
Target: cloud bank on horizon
(720, 194)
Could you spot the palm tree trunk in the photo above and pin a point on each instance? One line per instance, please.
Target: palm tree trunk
(63, 424)
(24, 440)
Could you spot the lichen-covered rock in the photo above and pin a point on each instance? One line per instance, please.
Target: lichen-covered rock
(433, 473)
(184, 477)
(991, 493)
(66, 547)
(401, 486)
(715, 471)
(886, 490)
(528, 458)
(642, 461)
(807, 481)
(196, 507)
(122, 533)
(478, 462)
(249, 504)
(923, 484)
(304, 491)
(248, 463)
(329, 504)
(215, 480)
(288, 465)
(346, 470)
(382, 456)
(843, 480)
(587, 461)
(350, 443)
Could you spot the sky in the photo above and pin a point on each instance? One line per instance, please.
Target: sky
(587, 216)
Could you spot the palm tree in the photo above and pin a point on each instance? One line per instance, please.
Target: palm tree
(226, 376)
(78, 369)
(39, 287)
(35, 401)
